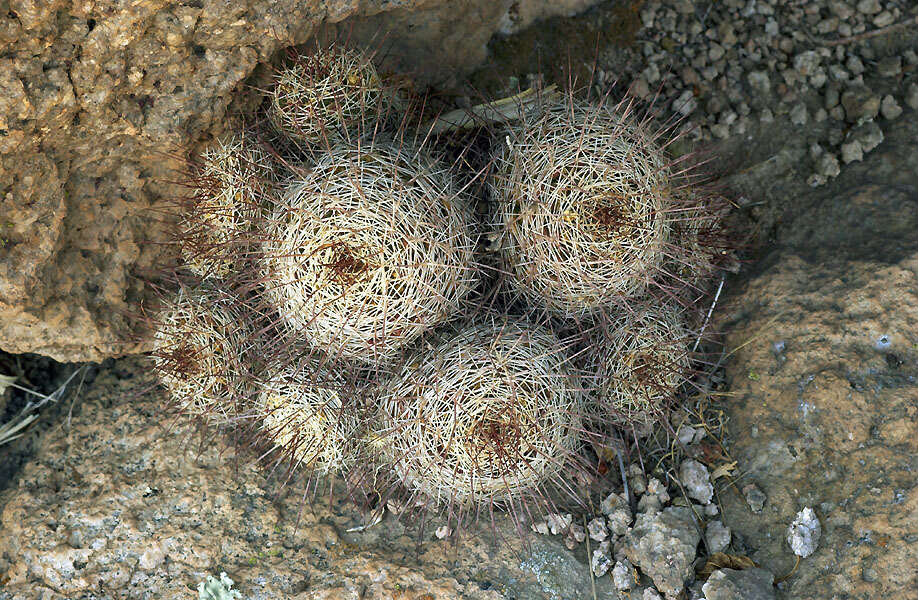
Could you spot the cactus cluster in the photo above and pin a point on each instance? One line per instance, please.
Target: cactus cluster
(342, 298)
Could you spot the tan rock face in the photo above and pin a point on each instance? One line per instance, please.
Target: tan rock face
(824, 395)
(122, 504)
(100, 101)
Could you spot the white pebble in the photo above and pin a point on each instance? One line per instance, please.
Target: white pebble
(600, 562)
(697, 480)
(558, 523)
(804, 533)
(623, 576)
(443, 532)
(598, 530)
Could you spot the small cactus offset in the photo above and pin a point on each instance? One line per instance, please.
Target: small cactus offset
(346, 308)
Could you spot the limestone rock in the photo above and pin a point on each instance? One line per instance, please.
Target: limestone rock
(662, 545)
(748, 584)
(829, 422)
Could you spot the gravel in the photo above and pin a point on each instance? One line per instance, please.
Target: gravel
(779, 60)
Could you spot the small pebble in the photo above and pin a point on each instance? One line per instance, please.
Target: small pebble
(804, 532)
(639, 89)
(869, 135)
(575, 536)
(852, 152)
(754, 497)
(799, 115)
(558, 523)
(685, 434)
(623, 576)
(883, 19)
(655, 487)
(717, 536)
(600, 562)
(651, 594)
(890, 66)
(685, 104)
(612, 503)
(889, 108)
(806, 62)
(759, 81)
(649, 504)
(696, 480)
(854, 65)
(619, 521)
(827, 165)
(860, 103)
(598, 530)
(911, 96)
(869, 7)
(443, 532)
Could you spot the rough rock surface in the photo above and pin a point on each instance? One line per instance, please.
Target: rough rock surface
(100, 99)
(662, 545)
(122, 505)
(748, 584)
(824, 383)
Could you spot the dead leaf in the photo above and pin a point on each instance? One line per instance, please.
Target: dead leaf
(722, 560)
(723, 470)
(5, 382)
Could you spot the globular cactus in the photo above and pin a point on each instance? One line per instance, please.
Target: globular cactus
(229, 188)
(373, 247)
(310, 413)
(581, 195)
(203, 352)
(638, 362)
(328, 96)
(488, 414)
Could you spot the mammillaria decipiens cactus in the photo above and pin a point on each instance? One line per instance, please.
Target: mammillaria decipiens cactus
(230, 187)
(372, 248)
(203, 353)
(311, 414)
(327, 96)
(638, 363)
(581, 194)
(489, 414)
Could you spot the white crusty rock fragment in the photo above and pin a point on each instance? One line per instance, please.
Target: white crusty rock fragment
(697, 481)
(558, 523)
(717, 535)
(803, 534)
(443, 532)
(597, 529)
(600, 562)
(575, 535)
(623, 576)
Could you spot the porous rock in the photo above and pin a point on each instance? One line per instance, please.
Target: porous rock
(829, 423)
(662, 545)
(731, 584)
(119, 503)
(101, 100)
